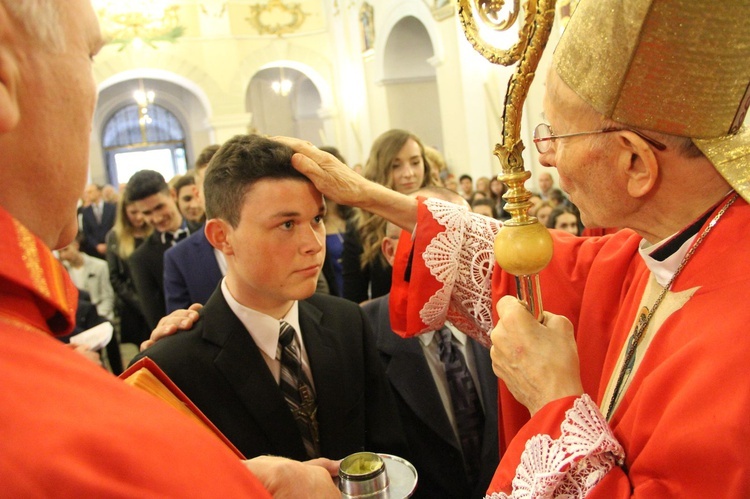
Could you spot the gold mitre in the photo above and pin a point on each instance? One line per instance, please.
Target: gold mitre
(680, 67)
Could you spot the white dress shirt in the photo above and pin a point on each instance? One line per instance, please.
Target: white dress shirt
(264, 330)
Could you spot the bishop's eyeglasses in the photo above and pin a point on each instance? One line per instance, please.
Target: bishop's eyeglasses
(543, 136)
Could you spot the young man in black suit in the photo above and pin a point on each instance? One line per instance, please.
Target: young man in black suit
(423, 398)
(267, 219)
(158, 204)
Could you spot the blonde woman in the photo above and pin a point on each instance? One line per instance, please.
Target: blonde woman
(129, 231)
(397, 160)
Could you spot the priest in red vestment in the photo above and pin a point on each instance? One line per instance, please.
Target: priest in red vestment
(68, 428)
(635, 383)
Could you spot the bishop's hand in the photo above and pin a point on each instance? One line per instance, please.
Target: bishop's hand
(537, 361)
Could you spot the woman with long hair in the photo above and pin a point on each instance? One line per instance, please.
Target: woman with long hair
(129, 231)
(565, 218)
(397, 160)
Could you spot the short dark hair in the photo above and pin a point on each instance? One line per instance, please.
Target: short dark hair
(80, 239)
(485, 202)
(146, 183)
(465, 176)
(184, 180)
(205, 156)
(241, 162)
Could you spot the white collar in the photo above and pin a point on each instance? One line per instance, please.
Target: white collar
(263, 328)
(426, 338)
(664, 270)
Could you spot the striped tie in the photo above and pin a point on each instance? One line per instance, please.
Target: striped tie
(297, 389)
(467, 409)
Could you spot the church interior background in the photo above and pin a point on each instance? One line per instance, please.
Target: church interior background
(179, 75)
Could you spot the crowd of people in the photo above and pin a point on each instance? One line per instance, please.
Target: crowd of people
(311, 311)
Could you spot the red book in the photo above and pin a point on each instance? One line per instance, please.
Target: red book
(148, 376)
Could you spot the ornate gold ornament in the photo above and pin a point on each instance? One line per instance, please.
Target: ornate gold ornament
(276, 17)
(138, 21)
(523, 246)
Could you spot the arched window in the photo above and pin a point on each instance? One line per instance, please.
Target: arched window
(143, 138)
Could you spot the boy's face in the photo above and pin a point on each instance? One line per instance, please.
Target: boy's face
(275, 253)
(70, 252)
(189, 203)
(160, 211)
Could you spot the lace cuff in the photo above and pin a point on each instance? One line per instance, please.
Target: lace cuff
(571, 465)
(461, 259)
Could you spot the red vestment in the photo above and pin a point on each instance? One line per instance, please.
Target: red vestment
(682, 420)
(70, 429)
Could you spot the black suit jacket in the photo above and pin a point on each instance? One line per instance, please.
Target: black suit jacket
(435, 450)
(219, 367)
(147, 269)
(96, 233)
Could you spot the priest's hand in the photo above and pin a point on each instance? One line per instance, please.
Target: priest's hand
(342, 184)
(538, 362)
(330, 176)
(179, 320)
(285, 478)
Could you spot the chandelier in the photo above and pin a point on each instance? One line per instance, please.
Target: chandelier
(138, 22)
(282, 86)
(143, 98)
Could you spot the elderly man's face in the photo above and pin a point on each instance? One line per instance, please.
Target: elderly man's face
(56, 100)
(585, 164)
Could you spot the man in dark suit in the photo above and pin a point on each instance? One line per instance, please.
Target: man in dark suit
(266, 218)
(417, 377)
(433, 445)
(156, 201)
(191, 272)
(96, 220)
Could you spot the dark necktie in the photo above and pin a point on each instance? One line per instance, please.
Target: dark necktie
(467, 408)
(297, 389)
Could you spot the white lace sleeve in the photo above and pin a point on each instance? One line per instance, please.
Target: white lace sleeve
(461, 259)
(571, 465)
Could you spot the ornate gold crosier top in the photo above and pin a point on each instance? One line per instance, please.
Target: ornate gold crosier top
(523, 246)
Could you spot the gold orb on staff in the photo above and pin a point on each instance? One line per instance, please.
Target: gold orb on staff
(523, 247)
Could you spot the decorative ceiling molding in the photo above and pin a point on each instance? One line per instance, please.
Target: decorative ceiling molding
(140, 21)
(276, 17)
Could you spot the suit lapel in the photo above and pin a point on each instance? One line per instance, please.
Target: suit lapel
(488, 385)
(411, 377)
(242, 364)
(323, 352)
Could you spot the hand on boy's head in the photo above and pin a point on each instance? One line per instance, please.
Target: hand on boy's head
(179, 320)
(330, 176)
